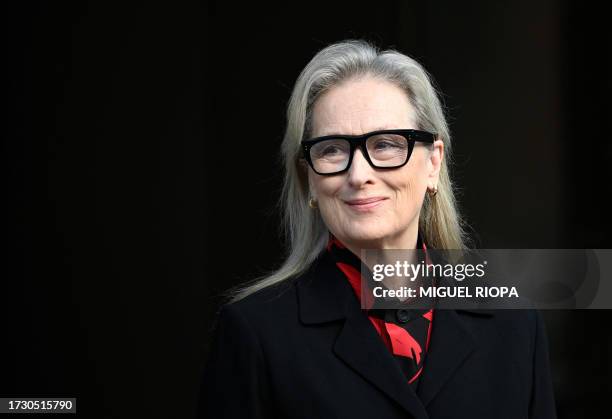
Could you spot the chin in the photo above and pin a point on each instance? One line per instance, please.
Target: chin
(365, 233)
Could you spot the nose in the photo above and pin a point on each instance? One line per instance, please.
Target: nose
(360, 171)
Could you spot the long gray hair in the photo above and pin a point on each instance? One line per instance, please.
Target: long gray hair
(305, 232)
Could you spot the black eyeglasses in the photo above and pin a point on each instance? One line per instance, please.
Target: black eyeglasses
(385, 149)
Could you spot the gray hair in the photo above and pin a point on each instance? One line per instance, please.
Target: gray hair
(304, 229)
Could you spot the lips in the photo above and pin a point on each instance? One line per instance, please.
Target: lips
(365, 204)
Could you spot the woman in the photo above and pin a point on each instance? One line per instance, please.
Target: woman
(366, 151)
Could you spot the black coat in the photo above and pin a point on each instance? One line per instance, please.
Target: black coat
(305, 349)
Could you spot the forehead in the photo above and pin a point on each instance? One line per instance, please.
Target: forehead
(362, 105)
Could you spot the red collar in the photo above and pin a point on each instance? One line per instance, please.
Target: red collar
(350, 265)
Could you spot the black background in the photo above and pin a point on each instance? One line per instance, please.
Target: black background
(123, 225)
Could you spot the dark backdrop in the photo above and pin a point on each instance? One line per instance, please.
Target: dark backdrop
(123, 225)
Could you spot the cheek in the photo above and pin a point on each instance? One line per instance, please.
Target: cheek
(324, 187)
(410, 185)
(330, 207)
(408, 200)
(326, 190)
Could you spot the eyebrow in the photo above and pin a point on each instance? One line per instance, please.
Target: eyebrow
(340, 133)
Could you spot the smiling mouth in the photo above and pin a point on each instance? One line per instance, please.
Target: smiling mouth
(365, 204)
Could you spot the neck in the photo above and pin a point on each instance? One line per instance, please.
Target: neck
(404, 240)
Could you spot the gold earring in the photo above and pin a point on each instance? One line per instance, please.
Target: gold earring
(312, 203)
(432, 192)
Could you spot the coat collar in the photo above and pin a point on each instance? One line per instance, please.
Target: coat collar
(324, 295)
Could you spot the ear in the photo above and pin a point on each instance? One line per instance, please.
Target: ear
(435, 163)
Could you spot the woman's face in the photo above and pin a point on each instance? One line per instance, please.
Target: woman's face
(366, 207)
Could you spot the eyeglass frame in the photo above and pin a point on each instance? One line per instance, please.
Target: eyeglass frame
(359, 141)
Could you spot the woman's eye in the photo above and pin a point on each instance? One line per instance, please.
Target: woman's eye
(330, 150)
(387, 144)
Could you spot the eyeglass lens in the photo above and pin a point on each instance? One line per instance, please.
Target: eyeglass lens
(384, 150)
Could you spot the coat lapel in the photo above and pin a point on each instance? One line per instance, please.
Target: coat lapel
(360, 347)
(324, 296)
(450, 345)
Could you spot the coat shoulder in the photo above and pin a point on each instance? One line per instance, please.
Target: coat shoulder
(269, 304)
